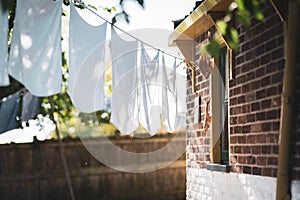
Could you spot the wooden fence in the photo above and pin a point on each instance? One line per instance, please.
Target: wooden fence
(34, 171)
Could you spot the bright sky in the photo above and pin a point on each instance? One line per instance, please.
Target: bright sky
(156, 14)
(153, 24)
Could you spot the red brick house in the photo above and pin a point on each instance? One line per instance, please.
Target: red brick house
(241, 141)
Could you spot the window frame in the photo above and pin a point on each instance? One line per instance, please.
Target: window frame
(219, 97)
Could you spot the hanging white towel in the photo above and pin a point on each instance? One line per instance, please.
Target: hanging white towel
(174, 95)
(35, 55)
(150, 92)
(4, 79)
(170, 105)
(86, 63)
(124, 114)
(180, 85)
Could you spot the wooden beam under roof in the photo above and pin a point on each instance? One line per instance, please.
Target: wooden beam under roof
(198, 21)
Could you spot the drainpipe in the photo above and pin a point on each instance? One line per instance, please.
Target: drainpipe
(291, 28)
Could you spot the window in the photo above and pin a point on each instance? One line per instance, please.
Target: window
(219, 108)
(224, 106)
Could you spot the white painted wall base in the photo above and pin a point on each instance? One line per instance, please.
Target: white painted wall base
(295, 190)
(205, 184)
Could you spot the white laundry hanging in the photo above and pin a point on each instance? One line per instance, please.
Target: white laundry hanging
(180, 85)
(150, 92)
(35, 54)
(86, 63)
(4, 79)
(124, 114)
(174, 96)
(170, 104)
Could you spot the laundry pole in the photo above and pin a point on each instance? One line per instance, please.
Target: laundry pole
(291, 30)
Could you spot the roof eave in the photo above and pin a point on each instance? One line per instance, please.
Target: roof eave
(198, 21)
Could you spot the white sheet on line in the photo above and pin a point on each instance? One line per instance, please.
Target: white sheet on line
(170, 105)
(124, 113)
(174, 116)
(150, 92)
(35, 55)
(4, 79)
(86, 63)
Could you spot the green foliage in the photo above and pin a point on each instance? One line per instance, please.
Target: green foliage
(92, 7)
(213, 48)
(248, 8)
(110, 10)
(240, 10)
(222, 26)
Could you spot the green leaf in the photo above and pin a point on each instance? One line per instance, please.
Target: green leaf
(240, 4)
(91, 6)
(256, 11)
(259, 15)
(213, 48)
(243, 17)
(233, 39)
(222, 26)
(107, 10)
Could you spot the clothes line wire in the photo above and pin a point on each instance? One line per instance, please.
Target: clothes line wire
(81, 3)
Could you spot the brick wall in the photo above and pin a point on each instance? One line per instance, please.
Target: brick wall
(255, 97)
(198, 140)
(255, 101)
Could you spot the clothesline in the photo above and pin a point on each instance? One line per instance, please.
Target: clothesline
(130, 35)
(144, 90)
